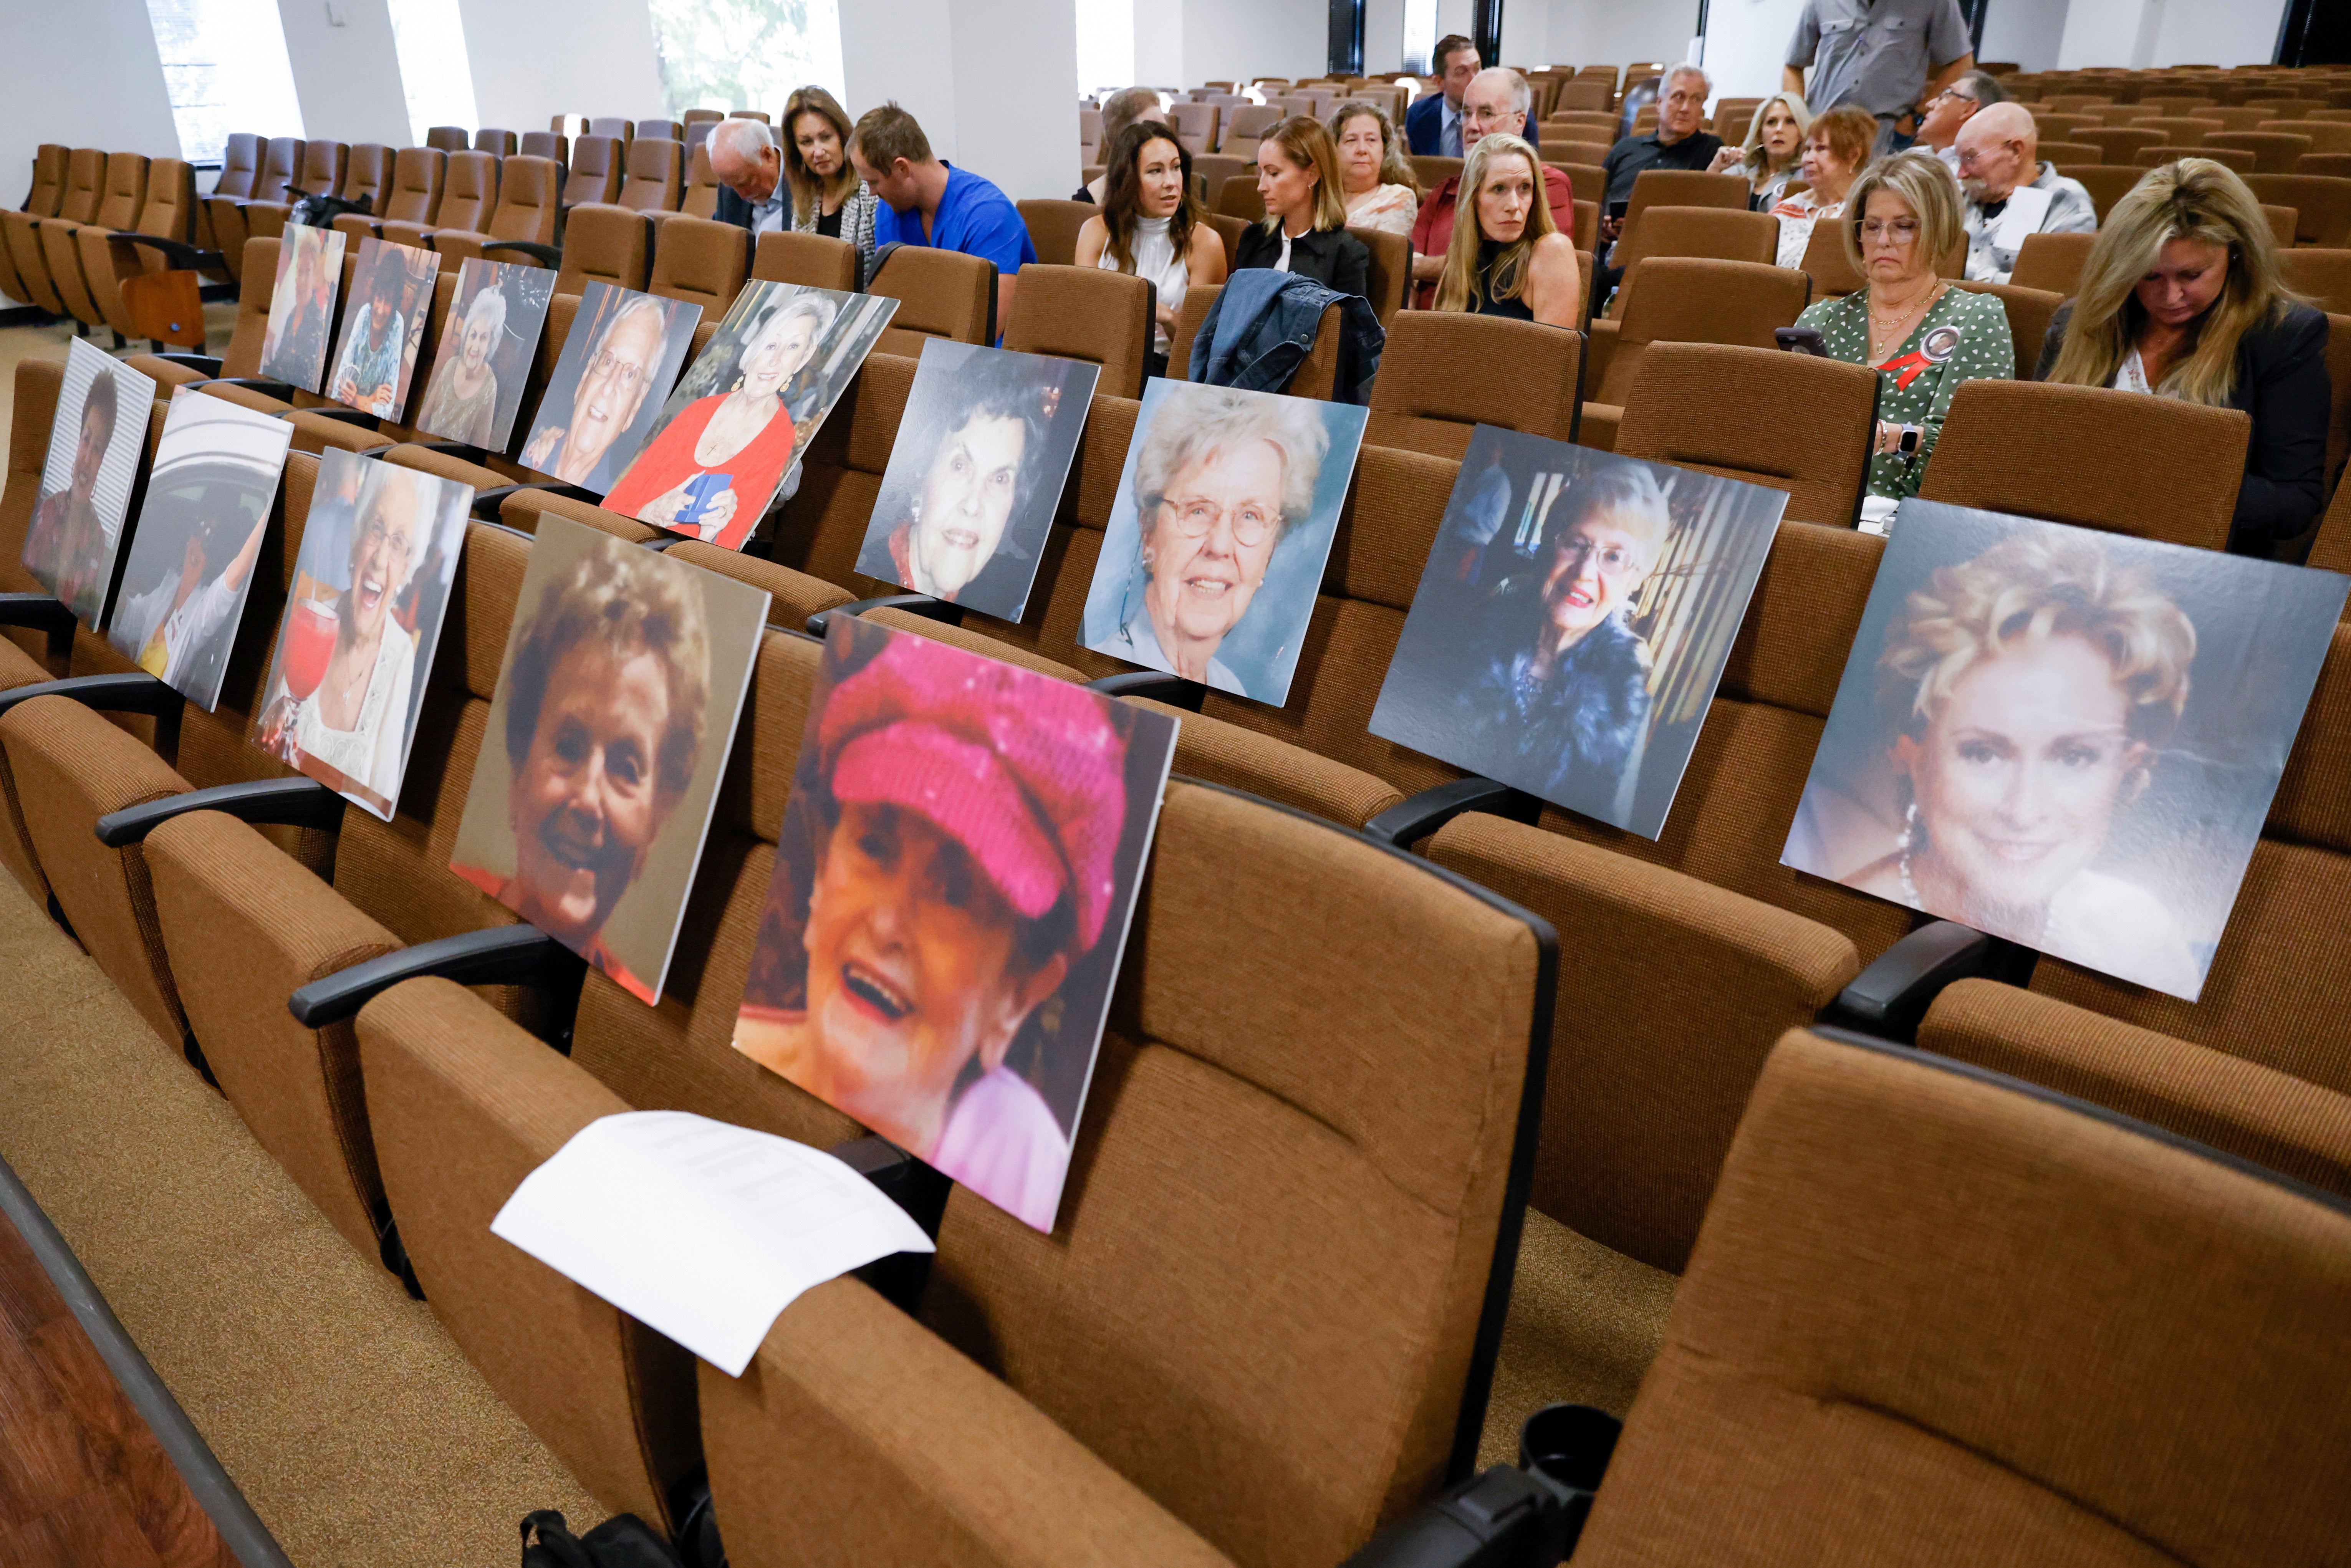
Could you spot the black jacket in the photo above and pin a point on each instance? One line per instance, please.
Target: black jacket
(1332, 257)
(2282, 382)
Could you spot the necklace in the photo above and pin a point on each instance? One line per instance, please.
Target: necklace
(1889, 328)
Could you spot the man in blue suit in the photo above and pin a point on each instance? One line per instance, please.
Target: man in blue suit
(1432, 127)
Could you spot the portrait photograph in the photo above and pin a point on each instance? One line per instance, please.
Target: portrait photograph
(347, 678)
(1225, 514)
(1573, 621)
(2066, 738)
(609, 732)
(196, 541)
(957, 867)
(383, 326)
(96, 441)
(975, 475)
(780, 358)
(602, 402)
(302, 305)
(474, 391)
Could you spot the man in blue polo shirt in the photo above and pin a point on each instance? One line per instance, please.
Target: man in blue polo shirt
(925, 201)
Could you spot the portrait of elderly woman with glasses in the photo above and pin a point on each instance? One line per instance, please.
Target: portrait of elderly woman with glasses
(1217, 478)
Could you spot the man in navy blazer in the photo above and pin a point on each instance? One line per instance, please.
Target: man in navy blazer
(1432, 127)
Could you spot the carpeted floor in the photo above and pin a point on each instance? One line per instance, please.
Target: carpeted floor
(338, 1405)
(17, 343)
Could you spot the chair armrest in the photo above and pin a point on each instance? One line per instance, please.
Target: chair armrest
(342, 416)
(921, 604)
(208, 363)
(1504, 1517)
(1890, 996)
(1406, 824)
(544, 255)
(182, 257)
(136, 692)
(502, 955)
(39, 612)
(282, 391)
(1172, 690)
(290, 802)
(490, 498)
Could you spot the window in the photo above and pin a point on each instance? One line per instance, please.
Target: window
(1105, 47)
(745, 54)
(224, 68)
(430, 44)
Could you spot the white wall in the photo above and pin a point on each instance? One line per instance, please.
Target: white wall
(1613, 32)
(2205, 32)
(1747, 45)
(1384, 38)
(347, 77)
(1257, 39)
(54, 90)
(2026, 31)
(534, 59)
(963, 71)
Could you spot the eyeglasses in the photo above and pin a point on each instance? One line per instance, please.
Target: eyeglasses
(373, 531)
(627, 372)
(1899, 232)
(1574, 550)
(1194, 518)
(1478, 114)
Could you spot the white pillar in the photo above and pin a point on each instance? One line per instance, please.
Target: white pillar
(347, 70)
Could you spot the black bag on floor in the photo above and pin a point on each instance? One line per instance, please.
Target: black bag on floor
(623, 1541)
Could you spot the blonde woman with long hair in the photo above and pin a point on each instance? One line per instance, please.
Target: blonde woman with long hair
(1506, 256)
(1305, 226)
(1381, 190)
(1773, 151)
(2181, 298)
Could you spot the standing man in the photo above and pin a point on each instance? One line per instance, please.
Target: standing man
(1878, 53)
(1952, 108)
(2012, 193)
(926, 202)
(1433, 127)
(1495, 102)
(749, 168)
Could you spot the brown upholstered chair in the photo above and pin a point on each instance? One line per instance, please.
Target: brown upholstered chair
(168, 213)
(595, 174)
(2273, 152)
(2333, 165)
(1721, 234)
(2323, 274)
(2235, 158)
(225, 213)
(605, 244)
(1828, 264)
(2051, 262)
(242, 358)
(1681, 188)
(318, 171)
(2105, 184)
(122, 198)
(1316, 376)
(940, 294)
(2321, 206)
(1826, 1381)
(1086, 313)
(1244, 127)
(2325, 136)
(1389, 277)
(1195, 125)
(1834, 403)
(1054, 227)
(448, 138)
(656, 171)
(551, 145)
(469, 194)
(1237, 197)
(1575, 151)
(1213, 169)
(1445, 372)
(620, 130)
(814, 260)
(366, 175)
(412, 198)
(523, 225)
(2174, 130)
(2116, 143)
(84, 190)
(2028, 310)
(701, 261)
(1433, 169)
(701, 197)
(2097, 458)
(1683, 299)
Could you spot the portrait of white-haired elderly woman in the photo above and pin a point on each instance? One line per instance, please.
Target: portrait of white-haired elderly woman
(1217, 480)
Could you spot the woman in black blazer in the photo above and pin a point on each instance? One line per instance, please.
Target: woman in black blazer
(2180, 297)
(1305, 226)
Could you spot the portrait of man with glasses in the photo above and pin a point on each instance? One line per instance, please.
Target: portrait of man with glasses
(608, 386)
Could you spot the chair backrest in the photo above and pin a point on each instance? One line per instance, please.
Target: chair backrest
(1589, 95)
(697, 135)
(2051, 262)
(1432, 169)
(620, 130)
(1388, 279)
(1578, 151)
(1086, 313)
(449, 138)
(2236, 159)
(2091, 456)
(2075, 154)
(281, 159)
(1238, 197)
(1827, 264)
(2116, 143)
(548, 144)
(1718, 232)
(2029, 311)
(702, 116)
(2321, 206)
(595, 171)
(1682, 188)
(530, 200)
(604, 244)
(85, 186)
(2322, 275)
(321, 170)
(2273, 152)
(701, 261)
(257, 280)
(414, 196)
(240, 166)
(170, 210)
(2105, 184)
(2325, 136)
(1213, 169)
(814, 260)
(2334, 165)
(124, 191)
(469, 192)
(759, 114)
(1445, 372)
(1054, 227)
(1694, 299)
(656, 171)
(1834, 403)
(669, 129)
(1855, 1288)
(701, 197)
(1195, 125)
(488, 139)
(940, 294)
(367, 172)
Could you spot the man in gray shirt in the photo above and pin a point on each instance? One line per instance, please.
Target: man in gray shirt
(2012, 193)
(1878, 53)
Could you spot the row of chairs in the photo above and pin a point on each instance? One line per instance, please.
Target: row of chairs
(92, 221)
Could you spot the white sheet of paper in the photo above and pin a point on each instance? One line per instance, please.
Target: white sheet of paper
(2026, 207)
(699, 1229)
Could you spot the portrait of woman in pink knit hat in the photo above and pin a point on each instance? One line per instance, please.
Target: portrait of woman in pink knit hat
(954, 879)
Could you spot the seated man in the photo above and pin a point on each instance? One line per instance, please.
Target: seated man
(1678, 143)
(1439, 125)
(927, 203)
(749, 168)
(1495, 101)
(2011, 193)
(1938, 128)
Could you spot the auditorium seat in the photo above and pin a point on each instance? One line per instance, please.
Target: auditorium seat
(2325, 136)
(497, 144)
(603, 244)
(1317, 374)
(469, 194)
(620, 130)
(812, 260)
(2174, 130)
(1213, 169)
(242, 359)
(413, 196)
(654, 172)
(121, 200)
(940, 294)
(1825, 470)
(2321, 206)
(168, 213)
(595, 174)
(700, 198)
(1682, 299)
(659, 130)
(2234, 157)
(278, 159)
(1085, 313)
(1941, 1316)
(318, 173)
(2106, 184)
(701, 261)
(2028, 310)
(2094, 457)
(77, 202)
(1388, 278)
(2071, 154)
(1718, 233)
(1443, 373)
(40, 201)
(525, 217)
(448, 138)
(1054, 227)
(2051, 262)
(1433, 169)
(2273, 152)
(549, 144)
(1195, 125)
(1237, 197)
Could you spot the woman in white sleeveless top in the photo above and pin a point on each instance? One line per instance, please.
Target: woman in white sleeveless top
(1151, 225)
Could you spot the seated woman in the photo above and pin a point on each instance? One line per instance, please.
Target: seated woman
(1305, 226)
(1924, 336)
(1836, 147)
(1130, 106)
(2181, 297)
(828, 198)
(1506, 256)
(744, 436)
(607, 699)
(1381, 190)
(1773, 151)
(1151, 225)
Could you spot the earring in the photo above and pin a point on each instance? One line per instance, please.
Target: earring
(1903, 840)
(914, 510)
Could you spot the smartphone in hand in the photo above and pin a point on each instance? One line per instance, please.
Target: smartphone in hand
(1802, 340)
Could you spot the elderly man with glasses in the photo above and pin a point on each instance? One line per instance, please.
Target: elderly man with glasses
(1940, 117)
(2012, 194)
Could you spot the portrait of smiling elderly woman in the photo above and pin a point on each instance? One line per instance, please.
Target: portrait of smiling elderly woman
(462, 402)
(1565, 689)
(736, 443)
(606, 694)
(984, 444)
(614, 385)
(952, 855)
(2033, 689)
(1221, 477)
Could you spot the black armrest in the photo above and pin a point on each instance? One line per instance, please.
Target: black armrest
(544, 255)
(919, 1189)
(39, 612)
(1410, 821)
(290, 802)
(339, 412)
(182, 257)
(1889, 998)
(1172, 690)
(492, 497)
(921, 604)
(136, 692)
(502, 956)
(282, 391)
(207, 363)
(1505, 1518)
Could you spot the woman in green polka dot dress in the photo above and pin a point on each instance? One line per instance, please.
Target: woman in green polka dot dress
(1924, 335)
